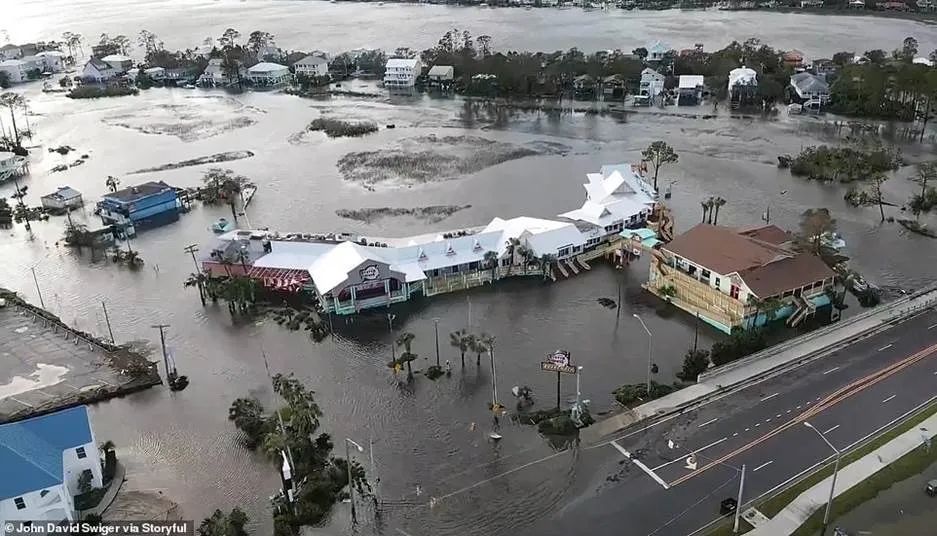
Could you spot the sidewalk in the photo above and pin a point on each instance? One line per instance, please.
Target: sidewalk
(800, 509)
(722, 379)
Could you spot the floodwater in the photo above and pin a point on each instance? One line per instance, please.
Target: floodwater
(312, 24)
(429, 437)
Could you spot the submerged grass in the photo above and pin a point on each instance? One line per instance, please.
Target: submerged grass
(337, 128)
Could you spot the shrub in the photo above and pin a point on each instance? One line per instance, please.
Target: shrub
(94, 92)
(739, 344)
(336, 128)
(637, 392)
(694, 363)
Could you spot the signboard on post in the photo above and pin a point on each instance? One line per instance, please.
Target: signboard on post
(558, 362)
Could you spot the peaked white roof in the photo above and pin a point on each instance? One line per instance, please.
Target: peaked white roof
(266, 67)
(116, 58)
(657, 46)
(617, 192)
(401, 63)
(312, 59)
(742, 75)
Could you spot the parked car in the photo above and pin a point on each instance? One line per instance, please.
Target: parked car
(931, 488)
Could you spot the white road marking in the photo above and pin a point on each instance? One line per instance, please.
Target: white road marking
(701, 449)
(747, 429)
(735, 434)
(770, 397)
(889, 398)
(757, 424)
(762, 466)
(886, 347)
(932, 327)
(831, 429)
(788, 411)
(768, 419)
(709, 422)
(643, 467)
(834, 369)
(798, 406)
(778, 416)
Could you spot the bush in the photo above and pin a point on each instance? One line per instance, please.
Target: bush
(336, 128)
(694, 363)
(637, 392)
(740, 343)
(843, 164)
(94, 92)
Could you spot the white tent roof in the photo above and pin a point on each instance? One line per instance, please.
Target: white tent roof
(116, 58)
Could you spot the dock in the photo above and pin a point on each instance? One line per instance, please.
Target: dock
(57, 366)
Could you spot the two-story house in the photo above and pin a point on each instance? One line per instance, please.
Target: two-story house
(148, 204)
(312, 66)
(651, 85)
(740, 278)
(402, 72)
(42, 460)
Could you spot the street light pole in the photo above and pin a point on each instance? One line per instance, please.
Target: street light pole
(578, 390)
(829, 502)
(650, 339)
(390, 328)
(351, 486)
(36, 281)
(436, 330)
(738, 504)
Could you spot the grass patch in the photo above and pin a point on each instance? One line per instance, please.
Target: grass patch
(94, 92)
(901, 469)
(336, 128)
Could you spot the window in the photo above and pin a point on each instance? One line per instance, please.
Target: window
(20, 503)
(43, 493)
(717, 282)
(80, 451)
(473, 265)
(706, 274)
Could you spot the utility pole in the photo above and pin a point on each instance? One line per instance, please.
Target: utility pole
(36, 281)
(162, 342)
(351, 485)
(829, 502)
(191, 249)
(377, 480)
(286, 470)
(107, 320)
(390, 328)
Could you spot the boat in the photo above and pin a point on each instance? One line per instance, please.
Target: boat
(222, 225)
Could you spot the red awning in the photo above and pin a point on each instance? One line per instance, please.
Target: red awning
(291, 280)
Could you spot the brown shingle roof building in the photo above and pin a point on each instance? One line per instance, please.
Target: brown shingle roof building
(760, 256)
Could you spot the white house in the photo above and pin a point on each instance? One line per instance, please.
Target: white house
(118, 62)
(441, 73)
(42, 460)
(155, 73)
(652, 83)
(98, 71)
(16, 70)
(64, 198)
(51, 60)
(402, 72)
(742, 76)
(268, 74)
(808, 87)
(10, 51)
(656, 51)
(214, 75)
(617, 197)
(312, 66)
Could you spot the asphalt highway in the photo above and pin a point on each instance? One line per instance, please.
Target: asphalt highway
(642, 483)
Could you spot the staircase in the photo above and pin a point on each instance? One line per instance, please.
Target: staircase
(583, 264)
(572, 266)
(559, 266)
(804, 309)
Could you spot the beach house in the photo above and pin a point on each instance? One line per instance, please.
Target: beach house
(402, 72)
(268, 74)
(740, 278)
(63, 199)
(42, 461)
(312, 66)
(146, 205)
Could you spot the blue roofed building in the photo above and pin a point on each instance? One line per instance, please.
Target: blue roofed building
(42, 460)
(146, 205)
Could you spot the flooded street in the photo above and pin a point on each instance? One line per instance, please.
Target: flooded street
(424, 440)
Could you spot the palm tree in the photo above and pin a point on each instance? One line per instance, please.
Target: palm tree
(112, 183)
(477, 346)
(546, 262)
(710, 205)
(405, 339)
(107, 446)
(491, 261)
(488, 343)
(717, 203)
(197, 280)
(512, 245)
(705, 206)
(460, 339)
(13, 100)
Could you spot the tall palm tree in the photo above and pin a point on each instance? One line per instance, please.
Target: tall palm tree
(13, 100)
(198, 281)
(491, 261)
(705, 206)
(710, 204)
(112, 183)
(488, 343)
(476, 345)
(512, 245)
(405, 339)
(546, 262)
(717, 203)
(460, 339)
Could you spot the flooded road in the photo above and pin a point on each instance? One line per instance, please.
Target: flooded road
(424, 439)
